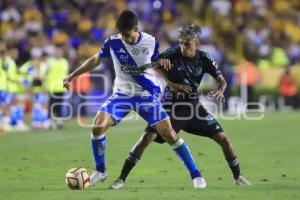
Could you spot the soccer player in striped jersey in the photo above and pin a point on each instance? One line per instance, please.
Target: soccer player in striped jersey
(182, 102)
(132, 91)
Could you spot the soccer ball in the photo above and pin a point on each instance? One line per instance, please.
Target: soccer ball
(77, 178)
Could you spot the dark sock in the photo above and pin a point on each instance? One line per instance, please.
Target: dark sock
(235, 167)
(129, 163)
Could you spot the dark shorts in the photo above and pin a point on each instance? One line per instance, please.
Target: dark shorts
(192, 119)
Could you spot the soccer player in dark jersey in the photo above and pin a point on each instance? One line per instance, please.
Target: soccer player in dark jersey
(181, 101)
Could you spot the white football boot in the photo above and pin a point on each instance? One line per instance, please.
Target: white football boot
(199, 182)
(96, 177)
(117, 184)
(242, 181)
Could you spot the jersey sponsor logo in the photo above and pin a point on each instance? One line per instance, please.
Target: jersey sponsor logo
(130, 69)
(124, 58)
(135, 51)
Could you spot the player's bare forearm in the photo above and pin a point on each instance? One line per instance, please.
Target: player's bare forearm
(165, 63)
(222, 84)
(219, 93)
(88, 65)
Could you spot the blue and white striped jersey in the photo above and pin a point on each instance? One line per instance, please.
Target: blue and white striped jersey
(127, 57)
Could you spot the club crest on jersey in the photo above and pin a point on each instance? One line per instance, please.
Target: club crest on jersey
(135, 51)
(145, 51)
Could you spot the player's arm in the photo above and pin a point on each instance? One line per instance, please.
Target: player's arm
(219, 93)
(163, 64)
(160, 60)
(213, 69)
(88, 65)
(174, 86)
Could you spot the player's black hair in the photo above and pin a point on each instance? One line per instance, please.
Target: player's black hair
(127, 20)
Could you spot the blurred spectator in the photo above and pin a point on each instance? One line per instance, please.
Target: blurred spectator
(248, 76)
(288, 89)
(80, 89)
(10, 14)
(58, 70)
(222, 7)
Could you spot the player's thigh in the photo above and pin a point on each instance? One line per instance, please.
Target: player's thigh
(117, 107)
(150, 109)
(176, 123)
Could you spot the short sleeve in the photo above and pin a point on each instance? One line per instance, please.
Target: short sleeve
(154, 57)
(211, 67)
(105, 50)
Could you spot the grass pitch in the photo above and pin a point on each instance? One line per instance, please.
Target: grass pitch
(33, 165)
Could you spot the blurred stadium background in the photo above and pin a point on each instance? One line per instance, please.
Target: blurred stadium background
(255, 42)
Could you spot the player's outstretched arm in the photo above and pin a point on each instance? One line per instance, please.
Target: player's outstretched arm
(88, 65)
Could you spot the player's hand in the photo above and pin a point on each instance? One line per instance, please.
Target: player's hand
(218, 95)
(180, 88)
(67, 82)
(165, 63)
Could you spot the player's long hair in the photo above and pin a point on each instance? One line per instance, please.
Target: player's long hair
(190, 31)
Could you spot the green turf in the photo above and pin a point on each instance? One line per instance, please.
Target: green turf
(33, 165)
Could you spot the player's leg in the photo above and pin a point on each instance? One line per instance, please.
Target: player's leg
(111, 113)
(156, 116)
(204, 124)
(166, 131)
(223, 140)
(102, 122)
(133, 158)
(137, 150)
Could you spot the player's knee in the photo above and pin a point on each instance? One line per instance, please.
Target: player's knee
(168, 134)
(101, 123)
(166, 131)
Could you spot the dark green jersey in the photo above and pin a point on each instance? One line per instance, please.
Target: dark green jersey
(188, 71)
